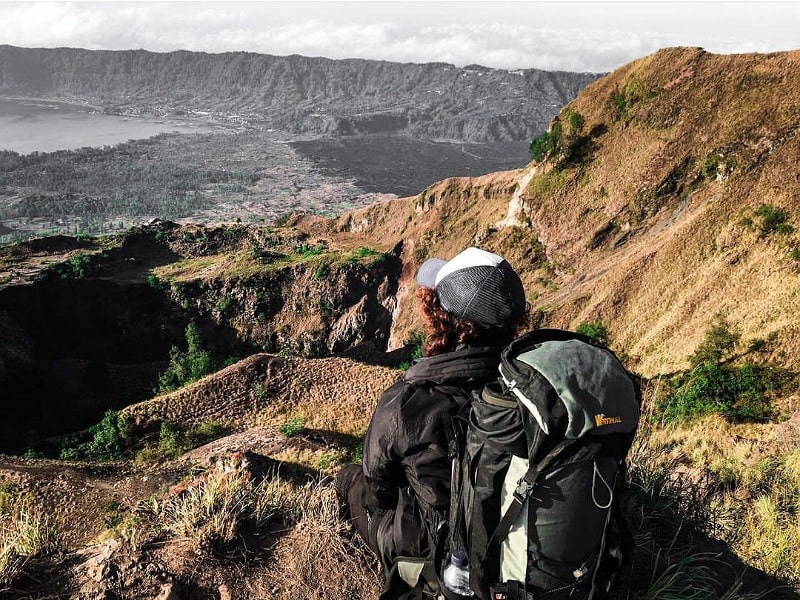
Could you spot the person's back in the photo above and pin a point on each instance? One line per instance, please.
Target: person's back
(472, 306)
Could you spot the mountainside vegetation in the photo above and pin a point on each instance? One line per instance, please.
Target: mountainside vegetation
(659, 215)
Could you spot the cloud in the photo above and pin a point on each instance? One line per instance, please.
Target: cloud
(602, 37)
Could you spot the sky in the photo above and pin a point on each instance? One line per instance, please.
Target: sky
(567, 35)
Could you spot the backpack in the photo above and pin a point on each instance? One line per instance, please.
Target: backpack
(538, 457)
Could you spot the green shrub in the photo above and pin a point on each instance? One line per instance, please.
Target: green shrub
(621, 103)
(546, 144)
(416, 340)
(154, 282)
(292, 427)
(595, 331)
(565, 143)
(326, 306)
(364, 251)
(188, 366)
(223, 305)
(108, 440)
(322, 271)
(80, 264)
(737, 393)
(710, 167)
(308, 250)
(169, 442)
(172, 442)
(773, 220)
(710, 386)
(357, 454)
(719, 344)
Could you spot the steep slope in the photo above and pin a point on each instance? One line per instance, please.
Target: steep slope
(658, 226)
(299, 94)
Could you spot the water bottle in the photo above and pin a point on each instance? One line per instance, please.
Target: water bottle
(456, 573)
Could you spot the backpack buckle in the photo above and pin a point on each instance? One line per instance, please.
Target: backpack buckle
(523, 490)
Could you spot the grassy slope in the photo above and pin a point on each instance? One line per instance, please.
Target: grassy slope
(687, 254)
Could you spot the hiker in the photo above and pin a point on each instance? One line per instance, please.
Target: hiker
(472, 305)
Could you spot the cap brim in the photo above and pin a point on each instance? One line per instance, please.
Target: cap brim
(426, 276)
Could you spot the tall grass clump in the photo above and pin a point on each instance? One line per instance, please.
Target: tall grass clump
(315, 554)
(770, 538)
(323, 559)
(210, 512)
(27, 537)
(694, 577)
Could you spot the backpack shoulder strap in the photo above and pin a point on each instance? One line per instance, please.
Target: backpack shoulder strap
(521, 493)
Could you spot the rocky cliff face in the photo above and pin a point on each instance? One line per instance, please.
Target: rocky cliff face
(300, 94)
(91, 326)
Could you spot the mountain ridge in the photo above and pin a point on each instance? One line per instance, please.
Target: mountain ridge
(299, 94)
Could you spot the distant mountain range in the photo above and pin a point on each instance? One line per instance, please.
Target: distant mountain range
(299, 94)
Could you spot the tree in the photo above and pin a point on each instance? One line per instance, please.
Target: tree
(188, 366)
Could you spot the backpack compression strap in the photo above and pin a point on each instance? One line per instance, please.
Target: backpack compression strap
(521, 494)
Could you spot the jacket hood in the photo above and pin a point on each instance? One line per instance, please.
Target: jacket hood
(461, 367)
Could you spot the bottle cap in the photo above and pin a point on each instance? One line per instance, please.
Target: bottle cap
(458, 557)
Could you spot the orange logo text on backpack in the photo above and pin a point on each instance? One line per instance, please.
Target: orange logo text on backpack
(601, 420)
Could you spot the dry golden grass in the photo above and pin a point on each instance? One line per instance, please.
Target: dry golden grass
(27, 536)
(770, 538)
(743, 483)
(333, 394)
(321, 558)
(314, 553)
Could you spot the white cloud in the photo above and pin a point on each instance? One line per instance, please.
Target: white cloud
(600, 37)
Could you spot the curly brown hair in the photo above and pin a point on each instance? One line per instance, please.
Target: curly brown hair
(445, 332)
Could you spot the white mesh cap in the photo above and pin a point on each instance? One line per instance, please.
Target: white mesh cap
(476, 285)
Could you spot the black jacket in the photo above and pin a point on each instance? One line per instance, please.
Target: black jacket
(406, 464)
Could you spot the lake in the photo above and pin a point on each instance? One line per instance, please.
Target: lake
(32, 125)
